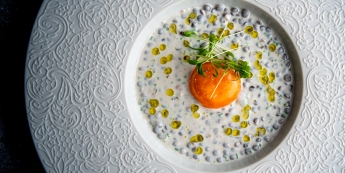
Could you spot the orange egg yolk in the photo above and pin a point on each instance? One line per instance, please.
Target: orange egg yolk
(206, 91)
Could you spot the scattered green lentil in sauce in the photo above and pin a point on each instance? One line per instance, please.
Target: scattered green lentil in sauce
(185, 126)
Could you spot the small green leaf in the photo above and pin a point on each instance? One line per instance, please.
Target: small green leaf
(189, 33)
(212, 38)
(200, 70)
(193, 62)
(230, 54)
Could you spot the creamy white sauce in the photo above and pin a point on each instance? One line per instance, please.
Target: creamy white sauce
(217, 147)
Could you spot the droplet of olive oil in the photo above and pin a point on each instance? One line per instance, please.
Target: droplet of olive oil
(197, 138)
(245, 112)
(148, 74)
(162, 47)
(246, 138)
(263, 72)
(244, 124)
(155, 51)
(194, 108)
(248, 29)
(258, 55)
(192, 15)
(176, 124)
(152, 111)
(163, 60)
(271, 98)
(198, 150)
(236, 118)
(204, 35)
(167, 70)
(222, 32)
(228, 131)
(212, 19)
(257, 65)
(169, 92)
(272, 47)
(196, 115)
(165, 113)
(264, 79)
(260, 131)
(271, 94)
(234, 46)
(186, 58)
(185, 43)
(154, 103)
(231, 25)
(236, 132)
(254, 34)
(173, 28)
(271, 76)
(169, 57)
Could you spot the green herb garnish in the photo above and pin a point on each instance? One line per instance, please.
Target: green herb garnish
(216, 54)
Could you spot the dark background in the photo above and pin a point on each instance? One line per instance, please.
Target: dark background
(17, 151)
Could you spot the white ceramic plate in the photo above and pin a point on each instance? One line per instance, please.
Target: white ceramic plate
(80, 97)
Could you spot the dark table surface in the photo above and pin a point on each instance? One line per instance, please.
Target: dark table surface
(17, 151)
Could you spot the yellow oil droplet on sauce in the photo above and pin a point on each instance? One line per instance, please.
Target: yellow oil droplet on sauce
(236, 132)
(260, 131)
(222, 32)
(187, 20)
(228, 131)
(167, 70)
(271, 94)
(155, 51)
(234, 46)
(246, 138)
(258, 55)
(245, 112)
(197, 138)
(154, 103)
(263, 72)
(162, 47)
(236, 118)
(176, 124)
(204, 35)
(152, 111)
(264, 79)
(270, 90)
(192, 15)
(257, 65)
(165, 113)
(186, 58)
(173, 28)
(248, 29)
(185, 43)
(148, 74)
(170, 57)
(196, 115)
(244, 124)
(212, 19)
(169, 92)
(271, 98)
(272, 47)
(163, 60)
(194, 108)
(231, 25)
(254, 34)
(271, 77)
(198, 150)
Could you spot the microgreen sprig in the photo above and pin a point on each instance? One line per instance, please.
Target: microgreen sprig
(218, 56)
